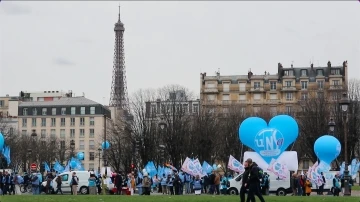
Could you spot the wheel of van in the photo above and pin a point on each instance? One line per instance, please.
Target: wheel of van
(232, 191)
(281, 192)
(84, 190)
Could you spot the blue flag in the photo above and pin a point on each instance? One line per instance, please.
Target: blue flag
(47, 168)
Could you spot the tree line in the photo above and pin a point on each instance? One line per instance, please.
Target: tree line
(171, 135)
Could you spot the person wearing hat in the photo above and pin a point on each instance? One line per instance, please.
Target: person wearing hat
(253, 182)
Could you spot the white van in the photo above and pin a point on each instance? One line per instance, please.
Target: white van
(66, 179)
(277, 186)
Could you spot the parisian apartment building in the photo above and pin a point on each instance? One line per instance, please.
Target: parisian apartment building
(67, 119)
(281, 91)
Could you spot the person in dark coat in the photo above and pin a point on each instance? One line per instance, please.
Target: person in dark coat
(253, 182)
(118, 183)
(245, 178)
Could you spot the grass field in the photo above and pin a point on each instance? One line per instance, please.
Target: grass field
(203, 198)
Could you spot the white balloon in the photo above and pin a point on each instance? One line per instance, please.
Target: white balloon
(219, 166)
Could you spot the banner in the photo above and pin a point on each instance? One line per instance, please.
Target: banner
(207, 168)
(198, 167)
(189, 167)
(279, 169)
(235, 165)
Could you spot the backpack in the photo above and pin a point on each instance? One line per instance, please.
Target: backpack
(260, 173)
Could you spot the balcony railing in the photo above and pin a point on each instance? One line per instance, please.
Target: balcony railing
(288, 88)
(211, 90)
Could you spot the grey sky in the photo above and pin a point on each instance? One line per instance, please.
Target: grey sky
(69, 45)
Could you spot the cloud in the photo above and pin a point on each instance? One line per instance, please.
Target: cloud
(63, 62)
(11, 8)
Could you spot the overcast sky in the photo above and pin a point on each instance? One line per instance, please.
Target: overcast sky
(69, 45)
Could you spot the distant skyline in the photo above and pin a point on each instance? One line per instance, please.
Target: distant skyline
(69, 45)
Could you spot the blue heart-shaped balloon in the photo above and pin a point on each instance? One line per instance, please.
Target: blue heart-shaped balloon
(269, 140)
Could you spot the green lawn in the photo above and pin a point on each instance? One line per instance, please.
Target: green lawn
(203, 198)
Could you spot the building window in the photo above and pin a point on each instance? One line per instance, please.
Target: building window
(72, 133)
(257, 96)
(92, 133)
(82, 133)
(336, 82)
(25, 111)
(73, 110)
(320, 72)
(256, 110)
(210, 98)
(256, 85)
(33, 122)
(43, 122)
(320, 84)
(226, 87)
(34, 112)
(63, 111)
(82, 144)
(53, 133)
(242, 87)
(91, 156)
(272, 85)
(226, 97)
(336, 96)
(335, 72)
(92, 121)
(82, 121)
(320, 95)
(288, 83)
(306, 164)
(91, 144)
(273, 96)
(2, 103)
(92, 110)
(62, 144)
(53, 122)
(288, 110)
(289, 96)
(195, 108)
(82, 110)
(72, 121)
(273, 111)
(23, 132)
(53, 111)
(24, 122)
(62, 133)
(304, 96)
(91, 166)
(62, 122)
(153, 109)
(44, 111)
(242, 97)
(288, 73)
(303, 72)
(43, 133)
(304, 85)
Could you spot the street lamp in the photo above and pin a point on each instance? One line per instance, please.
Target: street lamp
(162, 124)
(99, 159)
(72, 147)
(344, 104)
(331, 125)
(30, 158)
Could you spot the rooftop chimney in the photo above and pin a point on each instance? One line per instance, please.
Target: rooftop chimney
(250, 74)
(312, 65)
(329, 64)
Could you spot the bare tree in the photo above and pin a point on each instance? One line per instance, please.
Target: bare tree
(313, 118)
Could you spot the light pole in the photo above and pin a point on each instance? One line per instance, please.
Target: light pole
(331, 125)
(99, 160)
(33, 139)
(162, 124)
(72, 147)
(30, 158)
(344, 104)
